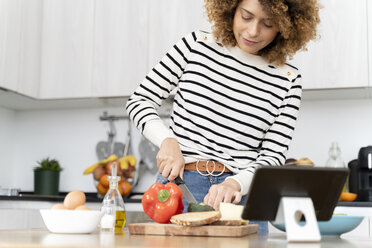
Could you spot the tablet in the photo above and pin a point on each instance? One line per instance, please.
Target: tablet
(269, 184)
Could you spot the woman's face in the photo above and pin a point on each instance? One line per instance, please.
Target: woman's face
(253, 28)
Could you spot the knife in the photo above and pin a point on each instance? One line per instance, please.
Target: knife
(186, 192)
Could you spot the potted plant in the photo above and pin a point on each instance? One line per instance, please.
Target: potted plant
(46, 177)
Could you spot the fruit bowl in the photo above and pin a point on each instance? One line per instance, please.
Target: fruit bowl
(71, 221)
(336, 226)
(124, 186)
(125, 168)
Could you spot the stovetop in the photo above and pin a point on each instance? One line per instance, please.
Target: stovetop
(90, 197)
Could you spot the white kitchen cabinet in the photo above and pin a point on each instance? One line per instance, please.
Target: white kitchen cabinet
(120, 46)
(21, 214)
(128, 45)
(339, 59)
(10, 26)
(67, 49)
(20, 31)
(30, 48)
(169, 21)
(103, 48)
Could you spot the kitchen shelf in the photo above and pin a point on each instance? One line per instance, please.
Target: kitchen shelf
(337, 93)
(14, 101)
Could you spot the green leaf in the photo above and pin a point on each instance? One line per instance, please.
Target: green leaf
(47, 164)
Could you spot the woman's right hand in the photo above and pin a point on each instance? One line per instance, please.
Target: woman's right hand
(170, 160)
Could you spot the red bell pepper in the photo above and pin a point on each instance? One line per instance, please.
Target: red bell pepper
(160, 202)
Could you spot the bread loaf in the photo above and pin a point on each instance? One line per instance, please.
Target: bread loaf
(196, 218)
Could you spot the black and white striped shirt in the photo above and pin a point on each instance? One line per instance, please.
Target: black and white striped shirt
(229, 106)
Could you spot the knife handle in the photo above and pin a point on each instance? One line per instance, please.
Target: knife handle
(178, 180)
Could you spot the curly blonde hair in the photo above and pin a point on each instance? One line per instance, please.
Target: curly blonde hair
(296, 19)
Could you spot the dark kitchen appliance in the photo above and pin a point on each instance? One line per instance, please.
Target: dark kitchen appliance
(360, 179)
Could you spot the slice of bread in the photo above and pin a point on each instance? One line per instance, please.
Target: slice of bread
(196, 218)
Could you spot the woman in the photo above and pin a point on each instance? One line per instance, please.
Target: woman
(236, 100)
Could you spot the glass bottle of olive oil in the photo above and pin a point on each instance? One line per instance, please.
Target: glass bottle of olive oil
(118, 202)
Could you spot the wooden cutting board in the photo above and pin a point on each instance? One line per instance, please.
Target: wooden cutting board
(178, 230)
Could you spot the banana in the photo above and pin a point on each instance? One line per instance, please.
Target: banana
(91, 168)
(109, 159)
(132, 160)
(124, 164)
(126, 161)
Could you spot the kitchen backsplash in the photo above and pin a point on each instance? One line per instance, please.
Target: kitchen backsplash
(71, 135)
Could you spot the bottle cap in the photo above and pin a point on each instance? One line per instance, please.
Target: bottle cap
(114, 177)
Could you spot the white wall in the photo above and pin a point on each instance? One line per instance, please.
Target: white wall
(70, 135)
(347, 122)
(7, 131)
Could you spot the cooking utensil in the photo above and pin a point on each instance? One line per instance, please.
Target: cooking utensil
(148, 152)
(106, 148)
(134, 180)
(127, 142)
(186, 192)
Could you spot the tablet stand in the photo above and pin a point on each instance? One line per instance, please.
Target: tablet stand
(290, 211)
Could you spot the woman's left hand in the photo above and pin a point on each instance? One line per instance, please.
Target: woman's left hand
(227, 191)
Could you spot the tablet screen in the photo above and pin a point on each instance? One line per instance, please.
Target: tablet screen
(269, 184)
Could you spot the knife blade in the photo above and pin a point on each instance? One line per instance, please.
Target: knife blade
(186, 192)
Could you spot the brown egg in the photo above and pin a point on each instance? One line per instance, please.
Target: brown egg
(58, 206)
(82, 207)
(74, 199)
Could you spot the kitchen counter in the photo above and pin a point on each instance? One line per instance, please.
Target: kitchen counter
(22, 211)
(90, 197)
(43, 238)
(355, 204)
(27, 200)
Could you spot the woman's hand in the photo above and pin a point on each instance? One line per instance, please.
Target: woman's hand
(170, 160)
(227, 191)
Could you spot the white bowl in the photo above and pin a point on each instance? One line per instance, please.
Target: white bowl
(71, 221)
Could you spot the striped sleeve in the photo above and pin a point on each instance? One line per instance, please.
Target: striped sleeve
(277, 139)
(155, 88)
